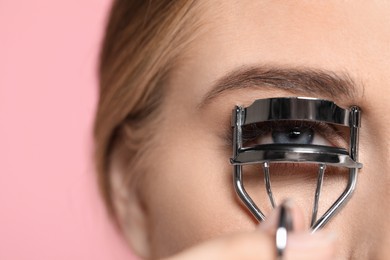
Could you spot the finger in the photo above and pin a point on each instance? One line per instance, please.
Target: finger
(298, 217)
(252, 245)
(261, 245)
(269, 225)
(300, 243)
(320, 246)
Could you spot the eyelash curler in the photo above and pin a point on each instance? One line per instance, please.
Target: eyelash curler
(296, 109)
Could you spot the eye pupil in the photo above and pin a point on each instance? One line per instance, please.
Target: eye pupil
(295, 135)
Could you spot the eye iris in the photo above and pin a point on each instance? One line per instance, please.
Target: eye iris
(295, 135)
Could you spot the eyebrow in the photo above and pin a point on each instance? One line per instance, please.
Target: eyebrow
(306, 81)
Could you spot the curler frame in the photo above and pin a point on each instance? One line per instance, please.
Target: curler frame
(301, 109)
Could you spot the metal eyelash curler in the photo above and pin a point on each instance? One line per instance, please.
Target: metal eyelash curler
(295, 109)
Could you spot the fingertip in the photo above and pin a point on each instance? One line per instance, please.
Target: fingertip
(297, 216)
(320, 245)
(295, 211)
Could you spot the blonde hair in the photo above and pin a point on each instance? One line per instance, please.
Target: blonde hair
(142, 40)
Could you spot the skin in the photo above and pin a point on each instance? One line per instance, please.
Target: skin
(186, 194)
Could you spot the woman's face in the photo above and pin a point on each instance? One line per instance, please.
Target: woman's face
(187, 186)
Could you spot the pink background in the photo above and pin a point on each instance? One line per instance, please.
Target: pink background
(49, 203)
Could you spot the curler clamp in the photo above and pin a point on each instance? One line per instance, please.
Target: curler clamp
(297, 109)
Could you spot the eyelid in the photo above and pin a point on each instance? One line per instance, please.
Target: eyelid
(333, 134)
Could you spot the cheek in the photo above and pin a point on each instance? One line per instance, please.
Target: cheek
(190, 194)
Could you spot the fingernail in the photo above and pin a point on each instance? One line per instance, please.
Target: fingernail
(308, 246)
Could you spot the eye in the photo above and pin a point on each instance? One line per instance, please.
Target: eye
(293, 135)
(291, 132)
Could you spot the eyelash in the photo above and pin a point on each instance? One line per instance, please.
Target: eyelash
(336, 136)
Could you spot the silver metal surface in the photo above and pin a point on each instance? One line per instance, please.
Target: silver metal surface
(320, 179)
(297, 109)
(352, 180)
(285, 225)
(294, 153)
(243, 195)
(268, 183)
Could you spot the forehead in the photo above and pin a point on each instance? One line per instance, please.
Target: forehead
(298, 28)
(332, 35)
